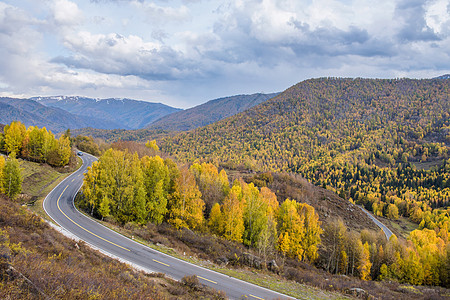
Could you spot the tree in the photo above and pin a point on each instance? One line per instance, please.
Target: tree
(313, 231)
(92, 189)
(212, 184)
(186, 206)
(291, 229)
(156, 182)
(215, 221)
(2, 167)
(12, 178)
(364, 264)
(255, 217)
(14, 136)
(392, 212)
(233, 214)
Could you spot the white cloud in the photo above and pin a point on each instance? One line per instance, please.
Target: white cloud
(214, 48)
(159, 15)
(66, 13)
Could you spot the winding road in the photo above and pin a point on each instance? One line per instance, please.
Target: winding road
(59, 206)
(387, 231)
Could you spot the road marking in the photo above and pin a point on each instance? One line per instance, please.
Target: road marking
(57, 204)
(73, 180)
(161, 263)
(206, 279)
(256, 297)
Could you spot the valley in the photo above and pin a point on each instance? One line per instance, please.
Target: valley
(279, 183)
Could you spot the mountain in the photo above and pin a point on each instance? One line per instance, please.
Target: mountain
(209, 112)
(33, 113)
(317, 116)
(381, 143)
(446, 76)
(130, 114)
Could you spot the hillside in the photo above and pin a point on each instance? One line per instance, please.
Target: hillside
(380, 143)
(209, 112)
(32, 113)
(127, 113)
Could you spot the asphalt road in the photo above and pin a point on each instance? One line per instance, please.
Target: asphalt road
(386, 230)
(59, 206)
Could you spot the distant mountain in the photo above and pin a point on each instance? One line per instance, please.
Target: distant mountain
(33, 113)
(209, 112)
(446, 76)
(129, 114)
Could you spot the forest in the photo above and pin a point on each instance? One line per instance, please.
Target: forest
(34, 144)
(380, 143)
(131, 189)
(200, 198)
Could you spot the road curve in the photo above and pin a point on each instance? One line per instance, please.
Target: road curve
(59, 206)
(383, 227)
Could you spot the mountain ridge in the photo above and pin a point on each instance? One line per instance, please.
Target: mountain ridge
(128, 113)
(209, 112)
(32, 113)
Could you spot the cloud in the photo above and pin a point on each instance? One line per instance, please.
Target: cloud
(414, 26)
(156, 14)
(66, 13)
(124, 55)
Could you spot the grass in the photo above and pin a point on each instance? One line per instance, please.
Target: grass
(401, 227)
(276, 283)
(38, 181)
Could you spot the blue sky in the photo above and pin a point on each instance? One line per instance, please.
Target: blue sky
(185, 52)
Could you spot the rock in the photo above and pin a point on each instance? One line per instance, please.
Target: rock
(222, 261)
(357, 292)
(252, 260)
(272, 266)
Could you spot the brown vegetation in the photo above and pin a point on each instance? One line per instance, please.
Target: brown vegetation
(36, 262)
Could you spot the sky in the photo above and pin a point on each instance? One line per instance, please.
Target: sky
(185, 52)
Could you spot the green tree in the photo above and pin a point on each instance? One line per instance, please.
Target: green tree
(156, 182)
(12, 178)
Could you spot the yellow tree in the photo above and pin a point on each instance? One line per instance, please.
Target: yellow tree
(156, 182)
(233, 214)
(91, 188)
(14, 136)
(313, 231)
(186, 206)
(291, 229)
(364, 264)
(213, 185)
(2, 166)
(215, 221)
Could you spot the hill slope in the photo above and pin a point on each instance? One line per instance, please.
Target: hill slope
(316, 116)
(378, 142)
(209, 112)
(30, 113)
(130, 114)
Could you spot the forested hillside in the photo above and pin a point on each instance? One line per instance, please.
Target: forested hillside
(380, 143)
(209, 112)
